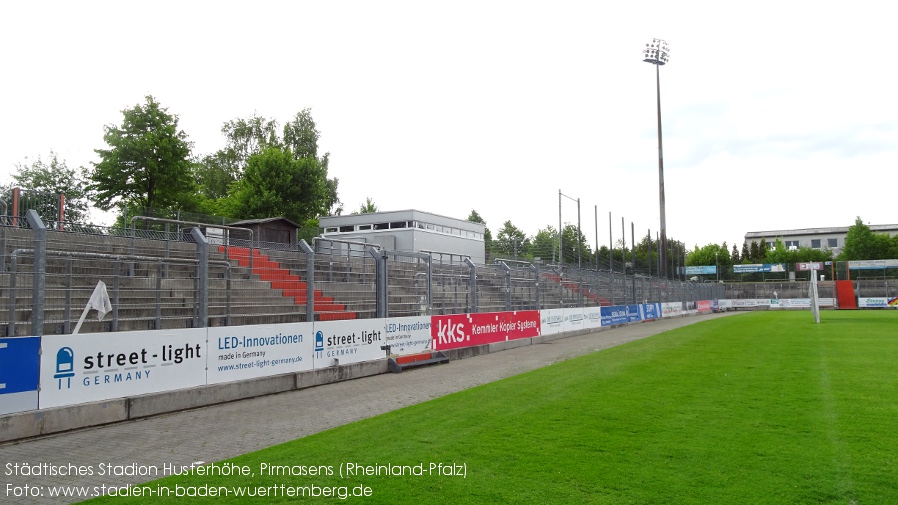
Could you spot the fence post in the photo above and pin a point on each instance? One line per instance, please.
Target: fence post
(380, 282)
(310, 279)
(535, 269)
(202, 267)
(11, 329)
(38, 288)
(159, 270)
(507, 285)
(473, 268)
(67, 313)
(116, 287)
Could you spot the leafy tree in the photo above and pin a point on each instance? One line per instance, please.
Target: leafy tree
(511, 241)
(746, 255)
(734, 256)
(218, 174)
(754, 253)
(49, 180)
(545, 243)
(368, 207)
(147, 162)
(779, 254)
(861, 243)
(574, 245)
(274, 183)
(474, 217)
(762, 250)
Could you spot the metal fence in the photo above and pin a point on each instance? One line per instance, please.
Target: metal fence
(175, 277)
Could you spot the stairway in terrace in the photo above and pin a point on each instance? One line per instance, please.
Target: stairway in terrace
(290, 285)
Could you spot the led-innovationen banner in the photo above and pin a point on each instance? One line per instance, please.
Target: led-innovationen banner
(247, 352)
(408, 335)
(100, 366)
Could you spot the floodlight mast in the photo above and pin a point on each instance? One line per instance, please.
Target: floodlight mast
(657, 52)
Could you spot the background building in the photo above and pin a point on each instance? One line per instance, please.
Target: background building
(409, 230)
(815, 238)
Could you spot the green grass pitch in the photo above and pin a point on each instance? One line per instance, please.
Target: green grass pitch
(763, 407)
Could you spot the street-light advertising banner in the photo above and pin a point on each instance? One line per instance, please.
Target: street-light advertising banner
(701, 270)
(353, 341)
(247, 352)
(19, 373)
(878, 302)
(98, 366)
(551, 321)
(759, 267)
(408, 335)
(465, 330)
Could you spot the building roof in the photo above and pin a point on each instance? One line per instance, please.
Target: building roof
(263, 221)
(878, 228)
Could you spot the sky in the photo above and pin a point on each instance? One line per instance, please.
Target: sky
(775, 115)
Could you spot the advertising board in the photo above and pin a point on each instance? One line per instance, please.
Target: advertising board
(354, 341)
(465, 330)
(246, 352)
(408, 335)
(99, 366)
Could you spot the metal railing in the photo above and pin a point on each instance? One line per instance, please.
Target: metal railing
(161, 280)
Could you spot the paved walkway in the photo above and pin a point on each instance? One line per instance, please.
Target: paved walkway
(219, 432)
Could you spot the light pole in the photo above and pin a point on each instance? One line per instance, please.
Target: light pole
(657, 52)
(717, 266)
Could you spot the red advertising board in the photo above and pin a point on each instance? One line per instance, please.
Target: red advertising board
(703, 305)
(465, 330)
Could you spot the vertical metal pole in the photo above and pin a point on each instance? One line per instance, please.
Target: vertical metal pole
(633, 256)
(579, 240)
(202, 251)
(159, 270)
(611, 257)
(67, 314)
(116, 288)
(310, 279)
(11, 329)
(662, 273)
(473, 284)
(38, 288)
(560, 256)
(596, 217)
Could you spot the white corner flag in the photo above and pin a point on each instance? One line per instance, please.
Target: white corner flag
(99, 300)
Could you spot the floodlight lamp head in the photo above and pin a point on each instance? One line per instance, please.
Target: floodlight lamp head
(656, 52)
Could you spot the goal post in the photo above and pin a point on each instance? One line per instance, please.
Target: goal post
(812, 294)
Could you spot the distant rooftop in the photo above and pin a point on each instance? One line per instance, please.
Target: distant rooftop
(878, 228)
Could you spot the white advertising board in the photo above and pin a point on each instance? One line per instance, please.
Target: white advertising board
(671, 309)
(99, 366)
(408, 335)
(551, 321)
(342, 342)
(878, 302)
(574, 319)
(593, 317)
(247, 352)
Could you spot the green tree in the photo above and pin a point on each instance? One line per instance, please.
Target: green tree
(512, 242)
(245, 138)
(147, 162)
(368, 207)
(274, 183)
(49, 180)
(735, 259)
(754, 253)
(474, 217)
(762, 250)
(545, 244)
(861, 243)
(575, 246)
(746, 254)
